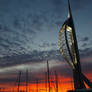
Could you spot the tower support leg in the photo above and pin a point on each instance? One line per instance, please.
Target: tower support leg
(78, 80)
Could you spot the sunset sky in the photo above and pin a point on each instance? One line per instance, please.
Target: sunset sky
(29, 36)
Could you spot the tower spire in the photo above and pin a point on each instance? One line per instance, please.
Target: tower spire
(69, 49)
(69, 10)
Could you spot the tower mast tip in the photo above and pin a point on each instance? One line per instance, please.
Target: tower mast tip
(69, 10)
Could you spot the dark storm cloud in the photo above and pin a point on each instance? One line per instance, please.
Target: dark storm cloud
(44, 45)
(84, 45)
(85, 42)
(47, 44)
(13, 39)
(53, 44)
(86, 52)
(19, 25)
(34, 56)
(11, 76)
(37, 21)
(86, 58)
(38, 56)
(85, 39)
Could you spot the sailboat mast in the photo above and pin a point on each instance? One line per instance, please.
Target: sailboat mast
(19, 81)
(56, 78)
(26, 80)
(48, 75)
(37, 85)
(46, 81)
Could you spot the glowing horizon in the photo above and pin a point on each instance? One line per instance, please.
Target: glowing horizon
(64, 84)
